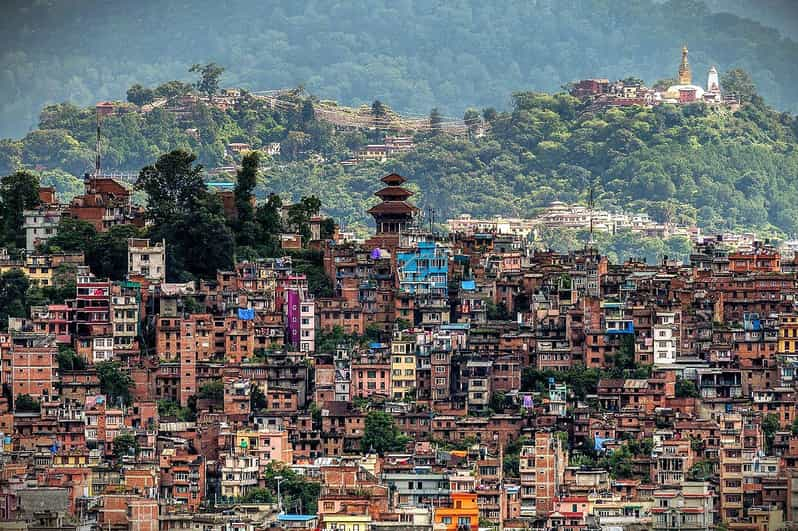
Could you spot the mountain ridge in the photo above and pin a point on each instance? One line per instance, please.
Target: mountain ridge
(415, 54)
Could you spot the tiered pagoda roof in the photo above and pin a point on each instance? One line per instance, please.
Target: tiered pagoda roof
(393, 198)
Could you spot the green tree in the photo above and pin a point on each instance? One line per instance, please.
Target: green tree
(498, 312)
(299, 215)
(378, 109)
(13, 300)
(73, 235)
(172, 89)
(10, 155)
(770, 425)
(269, 223)
(294, 144)
(125, 444)
(308, 113)
(297, 494)
(201, 241)
(173, 186)
(381, 433)
(257, 399)
(259, 495)
(187, 216)
(139, 95)
(26, 404)
(686, 389)
(435, 121)
(171, 409)
(18, 192)
(245, 185)
(114, 383)
(69, 360)
(737, 81)
(472, 119)
(212, 391)
(208, 82)
(498, 401)
(108, 254)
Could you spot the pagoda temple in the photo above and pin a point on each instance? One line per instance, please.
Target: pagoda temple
(394, 214)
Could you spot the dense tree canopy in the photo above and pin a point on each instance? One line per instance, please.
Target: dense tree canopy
(18, 192)
(381, 434)
(719, 168)
(414, 53)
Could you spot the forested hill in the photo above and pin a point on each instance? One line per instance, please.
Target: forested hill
(716, 167)
(417, 54)
(779, 14)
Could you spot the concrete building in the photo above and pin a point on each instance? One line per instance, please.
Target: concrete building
(239, 475)
(689, 508)
(40, 225)
(146, 260)
(34, 372)
(542, 468)
(666, 332)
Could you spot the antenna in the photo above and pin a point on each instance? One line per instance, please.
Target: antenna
(591, 204)
(97, 149)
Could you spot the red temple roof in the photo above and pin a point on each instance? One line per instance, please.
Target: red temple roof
(392, 207)
(393, 193)
(393, 179)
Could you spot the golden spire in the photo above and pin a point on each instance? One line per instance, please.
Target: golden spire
(685, 76)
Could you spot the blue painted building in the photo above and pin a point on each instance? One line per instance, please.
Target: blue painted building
(424, 270)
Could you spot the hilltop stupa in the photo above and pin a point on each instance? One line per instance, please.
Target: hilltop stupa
(685, 91)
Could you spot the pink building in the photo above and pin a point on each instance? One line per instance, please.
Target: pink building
(370, 377)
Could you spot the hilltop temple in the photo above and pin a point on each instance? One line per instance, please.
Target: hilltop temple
(686, 92)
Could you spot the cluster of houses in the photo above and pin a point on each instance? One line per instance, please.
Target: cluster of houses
(528, 389)
(559, 215)
(621, 93)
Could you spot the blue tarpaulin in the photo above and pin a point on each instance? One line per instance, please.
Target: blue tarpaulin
(246, 314)
(599, 443)
(468, 285)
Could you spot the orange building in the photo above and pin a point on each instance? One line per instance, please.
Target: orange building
(34, 372)
(764, 259)
(182, 478)
(104, 204)
(461, 516)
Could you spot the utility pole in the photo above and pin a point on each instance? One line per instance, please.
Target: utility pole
(590, 206)
(97, 148)
(279, 500)
(503, 502)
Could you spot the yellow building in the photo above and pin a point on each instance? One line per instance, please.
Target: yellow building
(788, 333)
(39, 268)
(403, 367)
(346, 522)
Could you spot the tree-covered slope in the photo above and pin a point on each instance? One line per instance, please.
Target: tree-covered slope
(779, 14)
(417, 54)
(717, 167)
(692, 164)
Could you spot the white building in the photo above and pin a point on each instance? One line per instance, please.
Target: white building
(466, 224)
(146, 260)
(124, 320)
(307, 326)
(239, 475)
(102, 349)
(40, 225)
(666, 338)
